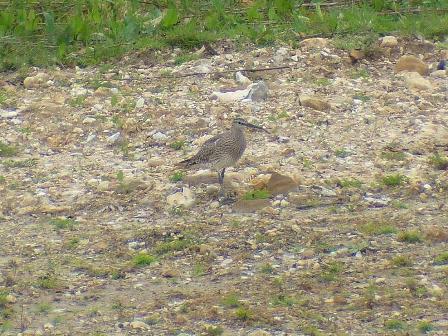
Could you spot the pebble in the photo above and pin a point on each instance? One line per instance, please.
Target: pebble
(35, 81)
(241, 79)
(412, 64)
(258, 92)
(415, 81)
(185, 198)
(389, 41)
(113, 138)
(139, 325)
(314, 103)
(439, 74)
(88, 120)
(159, 136)
(140, 103)
(314, 42)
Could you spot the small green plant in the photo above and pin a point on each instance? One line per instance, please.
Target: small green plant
(73, 243)
(48, 281)
(44, 308)
(283, 301)
(349, 183)
(411, 236)
(177, 145)
(401, 261)
(441, 259)
(173, 245)
(177, 176)
(63, 223)
(362, 97)
(331, 271)
(360, 73)
(256, 194)
(267, 268)
(378, 228)
(394, 180)
(397, 204)
(27, 163)
(198, 270)
(439, 162)
(394, 325)
(322, 81)
(2, 179)
(425, 327)
(7, 150)
(342, 153)
(118, 121)
(185, 58)
(243, 313)
(143, 259)
(214, 330)
(231, 300)
(393, 156)
(77, 101)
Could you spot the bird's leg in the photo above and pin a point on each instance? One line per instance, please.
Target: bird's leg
(225, 199)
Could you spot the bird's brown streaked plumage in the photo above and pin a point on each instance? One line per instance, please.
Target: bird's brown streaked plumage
(221, 151)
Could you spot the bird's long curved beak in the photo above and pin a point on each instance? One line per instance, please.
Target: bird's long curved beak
(255, 127)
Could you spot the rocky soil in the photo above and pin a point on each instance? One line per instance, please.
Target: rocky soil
(102, 235)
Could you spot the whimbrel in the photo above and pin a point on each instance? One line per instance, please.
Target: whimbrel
(221, 151)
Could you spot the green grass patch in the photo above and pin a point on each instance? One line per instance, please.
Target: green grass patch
(177, 176)
(231, 300)
(441, 259)
(256, 194)
(425, 327)
(243, 313)
(283, 301)
(7, 150)
(394, 325)
(49, 281)
(411, 236)
(185, 58)
(394, 180)
(377, 228)
(331, 271)
(173, 245)
(63, 223)
(177, 145)
(439, 162)
(349, 183)
(267, 268)
(143, 259)
(401, 261)
(27, 163)
(342, 153)
(214, 330)
(394, 156)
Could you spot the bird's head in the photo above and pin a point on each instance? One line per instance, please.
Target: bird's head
(242, 122)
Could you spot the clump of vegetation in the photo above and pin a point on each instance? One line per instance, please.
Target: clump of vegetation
(173, 245)
(257, 194)
(7, 150)
(342, 153)
(393, 156)
(378, 228)
(63, 223)
(349, 183)
(394, 325)
(27, 163)
(411, 236)
(331, 271)
(243, 313)
(425, 327)
(48, 281)
(231, 300)
(267, 268)
(198, 270)
(177, 176)
(143, 259)
(185, 58)
(394, 180)
(177, 145)
(214, 330)
(441, 259)
(439, 162)
(283, 301)
(401, 261)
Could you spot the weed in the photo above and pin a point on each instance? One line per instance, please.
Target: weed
(73, 243)
(401, 261)
(411, 236)
(231, 300)
(267, 269)
(143, 259)
(198, 270)
(177, 176)
(312, 331)
(349, 183)
(27, 163)
(78, 101)
(256, 194)
(48, 281)
(394, 156)
(185, 58)
(394, 325)
(439, 162)
(7, 150)
(2, 179)
(399, 204)
(243, 313)
(362, 97)
(342, 153)
(214, 330)
(283, 301)
(173, 245)
(425, 327)
(331, 271)
(44, 308)
(375, 228)
(441, 259)
(394, 180)
(177, 145)
(278, 116)
(359, 73)
(63, 223)
(322, 81)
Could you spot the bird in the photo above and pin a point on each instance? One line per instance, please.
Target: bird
(223, 150)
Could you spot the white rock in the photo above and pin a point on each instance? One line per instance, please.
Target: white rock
(88, 120)
(78, 91)
(113, 138)
(258, 92)
(185, 198)
(233, 96)
(8, 114)
(295, 58)
(48, 326)
(140, 103)
(439, 74)
(139, 325)
(35, 81)
(159, 136)
(389, 41)
(241, 79)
